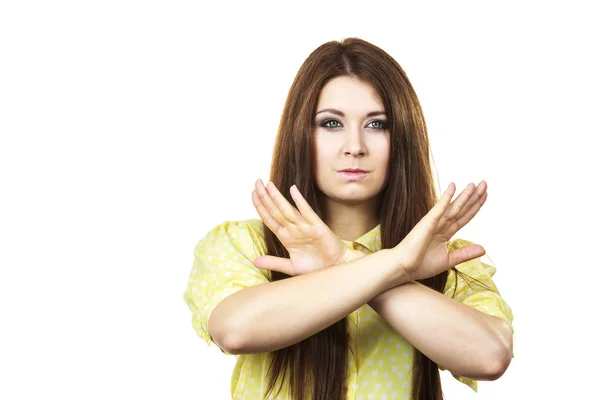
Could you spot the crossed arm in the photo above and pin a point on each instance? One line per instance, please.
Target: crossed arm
(456, 336)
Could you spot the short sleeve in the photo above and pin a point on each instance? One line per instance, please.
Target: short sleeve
(476, 290)
(223, 265)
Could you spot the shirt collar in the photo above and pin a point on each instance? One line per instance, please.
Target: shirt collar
(371, 240)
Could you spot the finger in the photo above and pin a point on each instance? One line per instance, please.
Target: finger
(458, 204)
(274, 264)
(268, 203)
(472, 211)
(305, 209)
(286, 208)
(264, 214)
(466, 253)
(481, 189)
(442, 205)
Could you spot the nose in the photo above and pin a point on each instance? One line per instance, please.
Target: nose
(354, 145)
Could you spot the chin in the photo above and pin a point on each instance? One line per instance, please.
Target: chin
(352, 195)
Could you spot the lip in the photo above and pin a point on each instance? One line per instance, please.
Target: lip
(352, 170)
(353, 176)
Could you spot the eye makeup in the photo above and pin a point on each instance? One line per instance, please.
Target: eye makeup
(330, 123)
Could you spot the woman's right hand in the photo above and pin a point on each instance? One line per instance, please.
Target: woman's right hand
(309, 241)
(423, 253)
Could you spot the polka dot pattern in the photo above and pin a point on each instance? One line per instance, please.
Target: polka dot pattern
(380, 359)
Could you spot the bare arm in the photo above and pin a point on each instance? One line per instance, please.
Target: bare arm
(456, 336)
(278, 314)
(460, 338)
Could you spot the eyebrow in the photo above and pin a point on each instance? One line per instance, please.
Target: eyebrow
(341, 114)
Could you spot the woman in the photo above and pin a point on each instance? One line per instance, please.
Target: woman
(353, 293)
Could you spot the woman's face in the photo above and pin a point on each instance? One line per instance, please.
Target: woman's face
(351, 132)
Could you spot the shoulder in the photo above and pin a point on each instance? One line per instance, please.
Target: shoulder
(474, 265)
(242, 236)
(457, 243)
(471, 276)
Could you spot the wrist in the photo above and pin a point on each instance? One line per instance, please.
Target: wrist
(351, 255)
(401, 277)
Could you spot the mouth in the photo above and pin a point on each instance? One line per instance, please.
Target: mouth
(353, 175)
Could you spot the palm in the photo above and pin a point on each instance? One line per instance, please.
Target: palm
(436, 257)
(308, 240)
(311, 247)
(423, 252)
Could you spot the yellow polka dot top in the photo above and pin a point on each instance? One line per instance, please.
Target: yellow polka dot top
(380, 359)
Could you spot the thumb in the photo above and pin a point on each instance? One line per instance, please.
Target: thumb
(466, 253)
(274, 264)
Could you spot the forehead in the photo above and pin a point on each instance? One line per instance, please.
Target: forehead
(349, 94)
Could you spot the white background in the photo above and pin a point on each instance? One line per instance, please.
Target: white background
(129, 129)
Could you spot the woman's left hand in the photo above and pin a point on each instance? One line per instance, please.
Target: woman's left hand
(311, 243)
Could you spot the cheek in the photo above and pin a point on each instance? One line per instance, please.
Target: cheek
(382, 148)
(324, 152)
(384, 163)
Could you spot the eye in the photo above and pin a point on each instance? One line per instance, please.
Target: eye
(379, 124)
(332, 123)
(327, 121)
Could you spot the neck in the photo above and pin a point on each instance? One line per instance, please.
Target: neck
(351, 221)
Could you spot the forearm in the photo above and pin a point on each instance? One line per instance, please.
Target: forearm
(278, 314)
(460, 338)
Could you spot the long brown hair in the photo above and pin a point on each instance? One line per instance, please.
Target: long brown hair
(317, 365)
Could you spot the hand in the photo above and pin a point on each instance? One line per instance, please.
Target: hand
(423, 253)
(309, 241)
